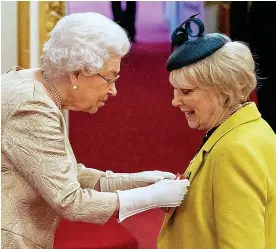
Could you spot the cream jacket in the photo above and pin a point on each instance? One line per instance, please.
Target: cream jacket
(41, 180)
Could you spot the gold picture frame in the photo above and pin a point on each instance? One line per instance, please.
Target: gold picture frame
(23, 33)
(50, 12)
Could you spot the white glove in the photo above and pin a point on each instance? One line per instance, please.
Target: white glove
(122, 181)
(166, 193)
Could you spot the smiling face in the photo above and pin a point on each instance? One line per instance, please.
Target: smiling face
(93, 91)
(201, 107)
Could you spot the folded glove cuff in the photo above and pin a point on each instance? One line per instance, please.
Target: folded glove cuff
(116, 181)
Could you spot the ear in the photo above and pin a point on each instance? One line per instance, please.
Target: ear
(74, 77)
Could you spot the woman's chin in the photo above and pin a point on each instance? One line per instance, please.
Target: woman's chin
(93, 110)
(193, 125)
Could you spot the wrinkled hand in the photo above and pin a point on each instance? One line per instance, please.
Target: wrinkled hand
(122, 181)
(166, 193)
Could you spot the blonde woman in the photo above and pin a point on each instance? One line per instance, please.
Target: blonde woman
(231, 202)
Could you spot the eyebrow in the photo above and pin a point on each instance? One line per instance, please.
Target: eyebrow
(187, 88)
(177, 86)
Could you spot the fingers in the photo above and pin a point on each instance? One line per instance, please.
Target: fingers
(153, 176)
(164, 174)
(184, 182)
(158, 178)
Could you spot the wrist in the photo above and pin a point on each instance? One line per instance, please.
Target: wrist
(117, 208)
(116, 181)
(97, 187)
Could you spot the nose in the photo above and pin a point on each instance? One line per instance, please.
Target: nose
(176, 102)
(112, 90)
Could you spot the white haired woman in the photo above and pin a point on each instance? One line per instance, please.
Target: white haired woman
(41, 180)
(231, 202)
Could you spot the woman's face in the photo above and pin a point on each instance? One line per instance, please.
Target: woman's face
(200, 106)
(93, 91)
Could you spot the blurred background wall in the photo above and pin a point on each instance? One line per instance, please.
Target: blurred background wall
(9, 56)
(24, 25)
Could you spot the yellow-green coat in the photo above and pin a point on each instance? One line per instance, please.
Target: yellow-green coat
(231, 202)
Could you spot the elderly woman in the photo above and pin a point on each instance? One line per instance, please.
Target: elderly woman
(41, 180)
(231, 202)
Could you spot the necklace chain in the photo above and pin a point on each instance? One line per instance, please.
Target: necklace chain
(53, 90)
(232, 112)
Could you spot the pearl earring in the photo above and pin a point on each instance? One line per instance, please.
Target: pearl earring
(75, 87)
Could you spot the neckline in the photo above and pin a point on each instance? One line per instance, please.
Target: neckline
(15, 70)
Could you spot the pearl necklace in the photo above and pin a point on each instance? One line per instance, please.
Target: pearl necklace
(53, 90)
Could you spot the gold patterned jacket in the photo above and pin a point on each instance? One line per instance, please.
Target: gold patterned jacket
(41, 180)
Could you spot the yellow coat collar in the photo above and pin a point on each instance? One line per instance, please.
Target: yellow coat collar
(244, 115)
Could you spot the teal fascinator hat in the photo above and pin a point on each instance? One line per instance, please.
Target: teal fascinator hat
(190, 46)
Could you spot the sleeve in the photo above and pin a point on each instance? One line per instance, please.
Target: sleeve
(88, 177)
(34, 142)
(240, 197)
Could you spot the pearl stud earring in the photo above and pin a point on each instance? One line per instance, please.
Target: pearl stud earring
(75, 87)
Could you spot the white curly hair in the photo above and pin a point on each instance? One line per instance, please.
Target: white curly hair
(82, 42)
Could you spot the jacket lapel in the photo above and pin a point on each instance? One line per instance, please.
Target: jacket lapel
(194, 165)
(244, 115)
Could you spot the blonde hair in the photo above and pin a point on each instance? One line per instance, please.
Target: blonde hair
(230, 72)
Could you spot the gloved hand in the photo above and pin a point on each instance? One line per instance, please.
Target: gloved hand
(166, 193)
(122, 181)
